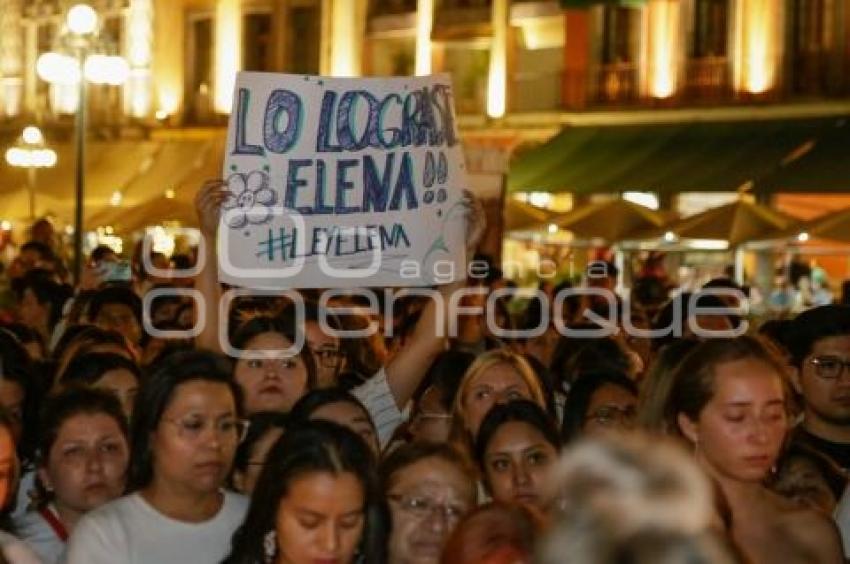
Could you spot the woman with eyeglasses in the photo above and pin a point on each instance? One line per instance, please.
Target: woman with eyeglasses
(317, 501)
(185, 432)
(269, 380)
(516, 446)
(599, 403)
(429, 488)
(730, 403)
(83, 454)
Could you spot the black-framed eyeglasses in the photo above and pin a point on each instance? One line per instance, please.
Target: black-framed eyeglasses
(830, 367)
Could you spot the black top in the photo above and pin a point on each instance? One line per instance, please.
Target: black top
(837, 452)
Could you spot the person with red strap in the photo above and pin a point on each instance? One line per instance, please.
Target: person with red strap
(82, 460)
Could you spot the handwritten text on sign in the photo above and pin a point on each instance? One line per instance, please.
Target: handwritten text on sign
(341, 182)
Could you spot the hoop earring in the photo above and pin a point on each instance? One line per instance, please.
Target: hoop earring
(270, 546)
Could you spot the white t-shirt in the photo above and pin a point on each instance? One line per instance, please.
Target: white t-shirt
(130, 531)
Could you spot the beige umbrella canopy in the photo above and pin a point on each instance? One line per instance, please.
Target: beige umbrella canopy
(519, 215)
(738, 222)
(612, 220)
(833, 226)
(126, 219)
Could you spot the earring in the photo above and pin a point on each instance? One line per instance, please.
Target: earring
(270, 546)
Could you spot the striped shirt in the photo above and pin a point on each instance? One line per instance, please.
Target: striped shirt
(376, 396)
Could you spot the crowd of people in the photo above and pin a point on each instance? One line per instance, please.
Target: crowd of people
(134, 436)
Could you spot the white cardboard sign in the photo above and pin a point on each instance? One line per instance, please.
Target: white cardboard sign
(339, 182)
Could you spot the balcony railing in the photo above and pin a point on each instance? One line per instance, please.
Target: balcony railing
(615, 83)
(707, 79)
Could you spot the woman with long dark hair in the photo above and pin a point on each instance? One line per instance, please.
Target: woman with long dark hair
(317, 500)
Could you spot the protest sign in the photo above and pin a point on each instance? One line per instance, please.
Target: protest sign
(340, 182)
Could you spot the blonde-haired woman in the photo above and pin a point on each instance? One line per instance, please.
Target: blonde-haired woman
(497, 376)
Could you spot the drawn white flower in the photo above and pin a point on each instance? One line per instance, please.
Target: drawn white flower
(250, 199)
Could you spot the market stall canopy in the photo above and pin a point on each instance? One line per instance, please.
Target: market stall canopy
(14, 206)
(612, 220)
(520, 216)
(739, 222)
(666, 158)
(154, 211)
(139, 170)
(833, 226)
(820, 164)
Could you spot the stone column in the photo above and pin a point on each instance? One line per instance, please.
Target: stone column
(11, 57)
(138, 50)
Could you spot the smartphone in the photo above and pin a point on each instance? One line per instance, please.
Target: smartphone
(115, 271)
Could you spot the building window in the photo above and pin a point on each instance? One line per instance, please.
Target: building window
(810, 47)
(707, 73)
(710, 28)
(619, 37)
(199, 63)
(615, 79)
(809, 26)
(256, 42)
(304, 31)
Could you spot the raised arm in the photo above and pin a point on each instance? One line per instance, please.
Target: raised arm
(410, 364)
(208, 202)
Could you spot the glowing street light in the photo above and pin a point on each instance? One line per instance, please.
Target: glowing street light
(30, 153)
(84, 55)
(81, 19)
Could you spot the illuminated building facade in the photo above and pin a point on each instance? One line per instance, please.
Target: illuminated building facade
(522, 70)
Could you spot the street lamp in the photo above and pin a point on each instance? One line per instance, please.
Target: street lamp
(31, 153)
(83, 54)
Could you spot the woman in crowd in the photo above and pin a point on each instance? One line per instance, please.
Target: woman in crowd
(19, 392)
(317, 500)
(270, 383)
(264, 430)
(497, 376)
(185, 431)
(340, 407)
(429, 488)
(516, 446)
(730, 401)
(600, 402)
(83, 458)
(40, 301)
(106, 371)
(12, 549)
